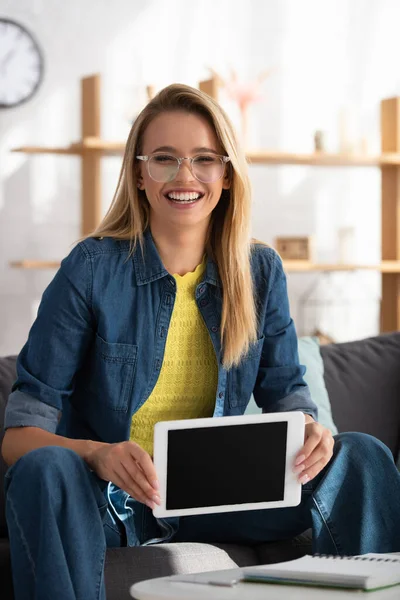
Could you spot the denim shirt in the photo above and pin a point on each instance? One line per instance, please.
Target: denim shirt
(95, 350)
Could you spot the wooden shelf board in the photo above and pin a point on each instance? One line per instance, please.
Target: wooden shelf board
(78, 148)
(300, 266)
(41, 150)
(390, 266)
(35, 264)
(322, 159)
(94, 144)
(294, 266)
(390, 158)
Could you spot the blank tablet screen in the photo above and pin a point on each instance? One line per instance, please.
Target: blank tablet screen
(234, 464)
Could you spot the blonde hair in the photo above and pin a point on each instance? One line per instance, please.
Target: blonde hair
(228, 240)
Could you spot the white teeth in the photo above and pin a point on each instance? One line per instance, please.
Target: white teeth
(187, 196)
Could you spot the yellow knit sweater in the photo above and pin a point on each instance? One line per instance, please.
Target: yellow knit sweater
(187, 383)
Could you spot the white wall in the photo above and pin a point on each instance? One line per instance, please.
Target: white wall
(326, 54)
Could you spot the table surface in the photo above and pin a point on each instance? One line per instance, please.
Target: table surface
(167, 588)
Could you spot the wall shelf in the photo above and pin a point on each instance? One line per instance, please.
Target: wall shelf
(300, 266)
(264, 157)
(91, 149)
(35, 264)
(290, 266)
(322, 159)
(42, 150)
(87, 145)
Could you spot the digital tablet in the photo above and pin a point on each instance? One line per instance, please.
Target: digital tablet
(225, 464)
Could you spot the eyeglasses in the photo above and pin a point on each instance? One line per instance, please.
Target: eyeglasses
(206, 168)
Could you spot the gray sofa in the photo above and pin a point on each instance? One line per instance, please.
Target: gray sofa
(363, 382)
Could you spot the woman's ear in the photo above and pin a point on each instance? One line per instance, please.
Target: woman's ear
(139, 179)
(227, 180)
(226, 184)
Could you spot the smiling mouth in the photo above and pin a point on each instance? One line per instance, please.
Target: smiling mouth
(184, 198)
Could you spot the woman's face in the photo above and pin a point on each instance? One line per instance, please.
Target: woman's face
(180, 134)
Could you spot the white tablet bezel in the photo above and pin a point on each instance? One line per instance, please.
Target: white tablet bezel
(295, 440)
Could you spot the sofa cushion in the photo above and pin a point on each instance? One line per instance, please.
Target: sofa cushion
(8, 375)
(310, 356)
(363, 383)
(273, 552)
(126, 566)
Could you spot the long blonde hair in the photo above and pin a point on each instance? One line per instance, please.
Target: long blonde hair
(228, 240)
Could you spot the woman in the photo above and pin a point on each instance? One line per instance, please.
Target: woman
(168, 311)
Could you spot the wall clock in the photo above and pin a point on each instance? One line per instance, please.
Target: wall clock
(21, 64)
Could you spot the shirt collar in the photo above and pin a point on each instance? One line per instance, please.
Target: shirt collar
(149, 267)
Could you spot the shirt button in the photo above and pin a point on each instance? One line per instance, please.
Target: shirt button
(221, 395)
(203, 303)
(201, 290)
(214, 329)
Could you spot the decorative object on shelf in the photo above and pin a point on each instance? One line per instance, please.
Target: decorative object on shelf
(131, 99)
(319, 141)
(334, 305)
(151, 92)
(294, 248)
(347, 123)
(21, 64)
(364, 145)
(243, 93)
(346, 245)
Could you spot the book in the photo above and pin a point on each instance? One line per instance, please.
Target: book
(367, 572)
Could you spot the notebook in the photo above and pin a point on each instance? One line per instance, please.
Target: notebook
(366, 572)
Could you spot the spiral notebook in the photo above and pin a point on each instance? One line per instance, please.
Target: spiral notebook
(367, 572)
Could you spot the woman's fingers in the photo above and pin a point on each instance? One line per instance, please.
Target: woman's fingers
(317, 460)
(129, 467)
(312, 471)
(313, 434)
(316, 456)
(123, 481)
(136, 475)
(146, 464)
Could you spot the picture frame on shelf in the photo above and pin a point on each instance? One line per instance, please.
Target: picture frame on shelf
(295, 248)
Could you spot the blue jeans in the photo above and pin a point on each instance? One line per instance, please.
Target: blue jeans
(60, 524)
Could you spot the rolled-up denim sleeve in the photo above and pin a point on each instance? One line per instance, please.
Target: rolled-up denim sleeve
(23, 410)
(56, 347)
(280, 385)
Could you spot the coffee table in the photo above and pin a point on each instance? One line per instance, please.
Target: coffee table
(169, 588)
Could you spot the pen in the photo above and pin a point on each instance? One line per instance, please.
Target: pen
(226, 583)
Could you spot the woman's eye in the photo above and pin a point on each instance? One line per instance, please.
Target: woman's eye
(164, 158)
(206, 159)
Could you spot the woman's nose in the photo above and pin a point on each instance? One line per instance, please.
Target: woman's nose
(185, 171)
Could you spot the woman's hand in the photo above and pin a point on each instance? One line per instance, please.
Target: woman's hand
(316, 452)
(129, 467)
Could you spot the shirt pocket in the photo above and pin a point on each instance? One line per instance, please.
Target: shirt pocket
(241, 379)
(112, 373)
